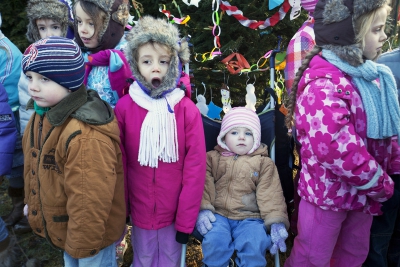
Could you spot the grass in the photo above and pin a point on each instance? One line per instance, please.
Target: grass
(33, 246)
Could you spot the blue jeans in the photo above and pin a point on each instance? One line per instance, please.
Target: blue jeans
(384, 248)
(15, 178)
(248, 237)
(105, 258)
(3, 230)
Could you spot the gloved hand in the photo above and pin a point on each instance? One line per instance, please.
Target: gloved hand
(392, 203)
(181, 237)
(204, 220)
(26, 210)
(278, 237)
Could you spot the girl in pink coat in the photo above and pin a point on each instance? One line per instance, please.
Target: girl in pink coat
(347, 118)
(163, 145)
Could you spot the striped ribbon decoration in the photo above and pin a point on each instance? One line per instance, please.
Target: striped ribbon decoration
(254, 24)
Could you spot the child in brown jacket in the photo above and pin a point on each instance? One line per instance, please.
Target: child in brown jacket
(74, 185)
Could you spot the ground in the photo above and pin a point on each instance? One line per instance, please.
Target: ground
(32, 246)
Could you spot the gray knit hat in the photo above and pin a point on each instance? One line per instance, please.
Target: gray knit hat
(334, 26)
(57, 10)
(149, 29)
(112, 30)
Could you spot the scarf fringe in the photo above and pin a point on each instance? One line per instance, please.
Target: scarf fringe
(158, 135)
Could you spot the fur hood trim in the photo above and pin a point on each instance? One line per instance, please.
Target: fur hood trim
(57, 10)
(149, 29)
(334, 26)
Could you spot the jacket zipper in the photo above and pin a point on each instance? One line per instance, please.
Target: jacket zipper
(230, 182)
(40, 131)
(154, 194)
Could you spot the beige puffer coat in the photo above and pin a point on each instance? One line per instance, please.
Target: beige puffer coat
(248, 186)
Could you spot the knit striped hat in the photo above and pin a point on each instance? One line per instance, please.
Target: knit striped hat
(58, 59)
(241, 117)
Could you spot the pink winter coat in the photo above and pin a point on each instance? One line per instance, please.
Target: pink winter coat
(172, 192)
(338, 160)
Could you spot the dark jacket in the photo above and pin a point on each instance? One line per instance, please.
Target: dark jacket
(73, 174)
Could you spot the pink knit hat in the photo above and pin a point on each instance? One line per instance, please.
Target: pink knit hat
(241, 117)
(309, 5)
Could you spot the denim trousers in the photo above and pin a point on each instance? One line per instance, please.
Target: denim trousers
(105, 258)
(15, 178)
(385, 239)
(3, 230)
(247, 237)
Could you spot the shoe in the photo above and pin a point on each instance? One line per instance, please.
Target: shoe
(8, 252)
(22, 227)
(17, 199)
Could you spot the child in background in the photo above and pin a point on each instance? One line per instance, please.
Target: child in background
(242, 197)
(347, 117)
(99, 31)
(384, 247)
(162, 139)
(46, 18)
(74, 188)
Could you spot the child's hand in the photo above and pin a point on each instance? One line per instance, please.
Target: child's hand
(26, 210)
(278, 237)
(204, 220)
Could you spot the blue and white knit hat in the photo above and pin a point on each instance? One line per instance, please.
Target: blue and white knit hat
(58, 59)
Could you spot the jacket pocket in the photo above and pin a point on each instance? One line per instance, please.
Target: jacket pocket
(56, 224)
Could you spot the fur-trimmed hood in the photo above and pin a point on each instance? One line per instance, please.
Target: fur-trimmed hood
(334, 26)
(57, 10)
(112, 30)
(149, 29)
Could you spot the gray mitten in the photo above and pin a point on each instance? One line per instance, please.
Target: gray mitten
(204, 220)
(278, 237)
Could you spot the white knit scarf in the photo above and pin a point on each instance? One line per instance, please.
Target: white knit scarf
(158, 135)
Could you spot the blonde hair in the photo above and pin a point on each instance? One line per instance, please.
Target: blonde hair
(363, 24)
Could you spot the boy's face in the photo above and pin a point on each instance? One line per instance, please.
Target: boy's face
(153, 63)
(239, 140)
(86, 29)
(44, 91)
(48, 27)
(376, 35)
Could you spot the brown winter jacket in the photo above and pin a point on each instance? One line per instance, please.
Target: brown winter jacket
(248, 186)
(73, 174)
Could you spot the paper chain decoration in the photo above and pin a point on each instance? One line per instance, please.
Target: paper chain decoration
(172, 18)
(254, 24)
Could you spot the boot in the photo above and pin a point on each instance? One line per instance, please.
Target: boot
(16, 214)
(8, 252)
(22, 226)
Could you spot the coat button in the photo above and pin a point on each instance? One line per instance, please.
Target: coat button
(34, 212)
(59, 239)
(34, 154)
(33, 172)
(33, 192)
(93, 252)
(38, 230)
